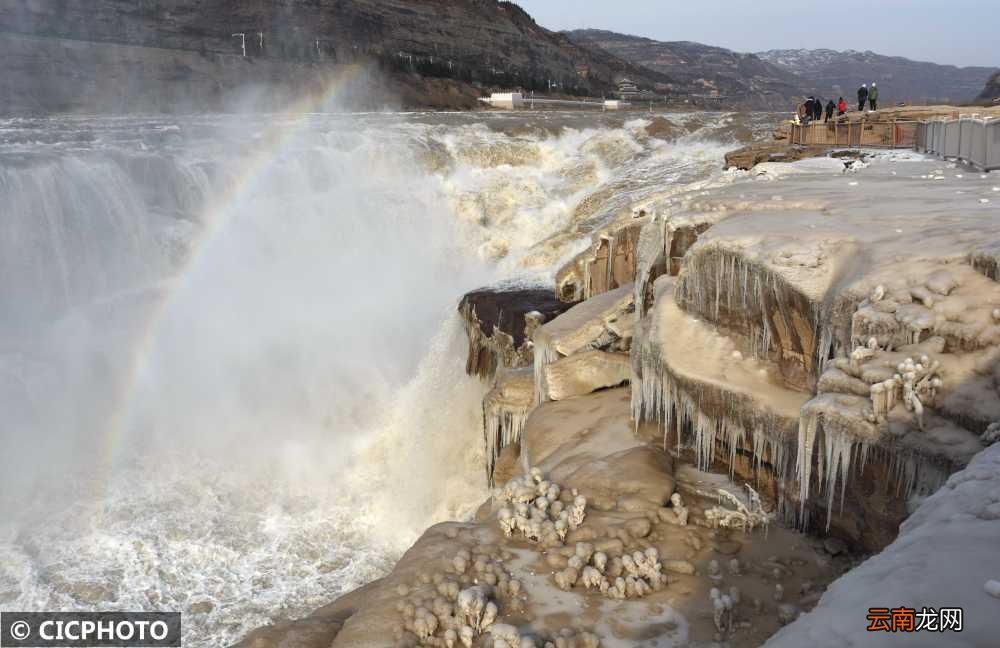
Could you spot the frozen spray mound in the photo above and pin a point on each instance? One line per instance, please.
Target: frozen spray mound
(231, 374)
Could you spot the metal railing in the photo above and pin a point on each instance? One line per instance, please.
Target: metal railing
(853, 134)
(973, 140)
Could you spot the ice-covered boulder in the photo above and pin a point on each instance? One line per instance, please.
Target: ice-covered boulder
(585, 372)
(705, 392)
(767, 285)
(603, 322)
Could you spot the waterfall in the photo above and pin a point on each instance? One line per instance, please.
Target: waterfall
(231, 374)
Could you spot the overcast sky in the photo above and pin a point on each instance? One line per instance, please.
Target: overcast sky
(959, 32)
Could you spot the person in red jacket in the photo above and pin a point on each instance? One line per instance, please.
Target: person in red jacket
(841, 107)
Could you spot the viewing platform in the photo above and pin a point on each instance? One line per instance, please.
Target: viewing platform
(946, 131)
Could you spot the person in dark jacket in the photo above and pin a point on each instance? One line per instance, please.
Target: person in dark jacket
(841, 107)
(862, 96)
(817, 109)
(830, 107)
(807, 110)
(873, 97)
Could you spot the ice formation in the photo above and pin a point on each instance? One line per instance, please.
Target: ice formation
(505, 409)
(538, 509)
(952, 537)
(604, 322)
(609, 262)
(626, 576)
(722, 606)
(459, 604)
(745, 516)
(737, 291)
(881, 341)
(686, 379)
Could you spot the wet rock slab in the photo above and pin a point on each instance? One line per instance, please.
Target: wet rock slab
(499, 321)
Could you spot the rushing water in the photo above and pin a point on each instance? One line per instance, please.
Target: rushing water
(231, 376)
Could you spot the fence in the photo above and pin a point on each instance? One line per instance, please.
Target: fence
(849, 134)
(976, 141)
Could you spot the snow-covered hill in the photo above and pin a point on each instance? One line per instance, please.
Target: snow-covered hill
(898, 78)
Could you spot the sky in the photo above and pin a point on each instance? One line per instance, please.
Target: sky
(957, 32)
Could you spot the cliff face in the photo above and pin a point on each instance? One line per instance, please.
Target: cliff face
(701, 70)
(991, 92)
(111, 55)
(898, 78)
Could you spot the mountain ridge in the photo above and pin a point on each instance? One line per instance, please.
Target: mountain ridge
(73, 55)
(899, 78)
(743, 80)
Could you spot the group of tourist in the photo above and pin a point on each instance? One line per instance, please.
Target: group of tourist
(814, 110)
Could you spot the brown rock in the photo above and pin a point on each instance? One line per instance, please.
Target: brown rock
(745, 158)
(678, 566)
(638, 528)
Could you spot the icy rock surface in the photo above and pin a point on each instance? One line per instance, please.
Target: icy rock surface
(944, 553)
(604, 322)
(585, 372)
(608, 263)
(873, 290)
(690, 376)
(499, 322)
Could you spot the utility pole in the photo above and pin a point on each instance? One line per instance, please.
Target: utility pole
(243, 42)
(260, 40)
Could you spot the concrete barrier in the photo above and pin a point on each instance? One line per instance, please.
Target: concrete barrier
(952, 139)
(966, 133)
(970, 139)
(992, 138)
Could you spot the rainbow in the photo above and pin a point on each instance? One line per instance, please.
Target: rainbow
(285, 126)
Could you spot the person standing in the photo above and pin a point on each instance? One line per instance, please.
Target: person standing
(807, 110)
(873, 97)
(829, 110)
(817, 109)
(841, 107)
(862, 96)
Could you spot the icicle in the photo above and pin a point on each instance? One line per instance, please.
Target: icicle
(808, 422)
(735, 434)
(838, 464)
(502, 426)
(823, 350)
(612, 249)
(543, 356)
